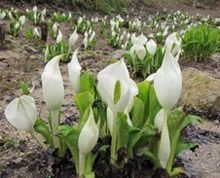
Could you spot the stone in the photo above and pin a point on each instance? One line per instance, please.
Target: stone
(200, 89)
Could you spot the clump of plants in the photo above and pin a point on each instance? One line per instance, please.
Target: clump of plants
(200, 42)
(138, 119)
(145, 56)
(60, 47)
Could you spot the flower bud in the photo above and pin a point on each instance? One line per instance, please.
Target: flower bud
(52, 82)
(88, 136)
(74, 70)
(22, 113)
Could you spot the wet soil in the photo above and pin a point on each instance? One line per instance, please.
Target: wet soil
(21, 60)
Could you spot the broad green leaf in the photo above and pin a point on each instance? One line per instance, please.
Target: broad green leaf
(188, 119)
(143, 89)
(138, 113)
(87, 82)
(83, 101)
(41, 127)
(177, 120)
(153, 105)
(70, 136)
(140, 138)
(181, 146)
(123, 130)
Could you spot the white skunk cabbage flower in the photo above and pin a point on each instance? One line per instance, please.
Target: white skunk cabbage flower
(52, 82)
(133, 38)
(141, 40)
(92, 36)
(115, 86)
(36, 33)
(85, 40)
(22, 20)
(151, 47)
(73, 38)
(17, 25)
(34, 9)
(59, 37)
(69, 15)
(74, 70)
(168, 82)
(168, 86)
(43, 12)
(138, 50)
(54, 27)
(88, 136)
(22, 113)
(173, 44)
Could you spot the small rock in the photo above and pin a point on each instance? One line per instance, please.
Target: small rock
(200, 89)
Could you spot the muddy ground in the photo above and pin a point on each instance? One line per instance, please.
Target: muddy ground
(20, 155)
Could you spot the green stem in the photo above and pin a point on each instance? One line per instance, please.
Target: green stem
(114, 142)
(174, 142)
(54, 127)
(68, 53)
(89, 163)
(39, 140)
(82, 160)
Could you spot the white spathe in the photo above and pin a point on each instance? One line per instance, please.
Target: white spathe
(107, 79)
(22, 19)
(110, 120)
(164, 144)
(59, 37)
(158, 121)
(173, 44)
(141, 40)
(88, 136)
(151, 47)
(168, 82)
(73, 38)
(22, 113)
(54, 27)
(52, 83)
(138, 50)
(74, 70)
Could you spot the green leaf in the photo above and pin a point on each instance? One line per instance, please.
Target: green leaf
(87, 82)
(153, 105)
(189, 119)
(181, 146)
(70, 136)
(138, 113)
(117, 91)
(143, 90)
(140, 138)
(24, 88)
(123, 130)
(41, 127)
(83, 101)
(84, 117)
(29, 34)
(177, 120)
